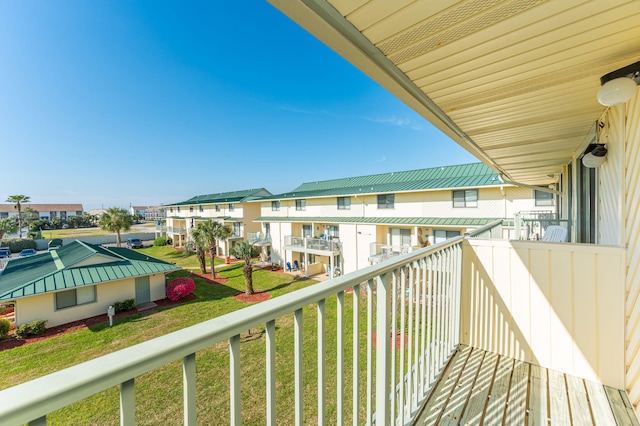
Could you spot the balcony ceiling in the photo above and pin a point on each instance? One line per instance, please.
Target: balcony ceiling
(513, 81)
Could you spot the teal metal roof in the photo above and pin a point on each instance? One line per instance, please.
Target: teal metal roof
(446, 177)
(225, 197)
(415, 221)
(57, 270)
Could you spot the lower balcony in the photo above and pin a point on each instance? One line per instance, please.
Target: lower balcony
(465, 331)
(319, 246)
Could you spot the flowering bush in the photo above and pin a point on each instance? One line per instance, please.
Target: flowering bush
(179, 288)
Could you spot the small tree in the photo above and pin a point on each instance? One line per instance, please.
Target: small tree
(245, 251)
(115, 220)
(18, 200)
(197, 237)
(212, 232)
(7, 226)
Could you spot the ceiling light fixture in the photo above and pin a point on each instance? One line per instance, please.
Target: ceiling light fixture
(619, 86)
(594, 156)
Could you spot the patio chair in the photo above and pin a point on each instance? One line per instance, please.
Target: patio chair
(555, 233)
(296, 265)
(289, 267)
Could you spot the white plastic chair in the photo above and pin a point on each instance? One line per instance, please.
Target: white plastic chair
(555, 233)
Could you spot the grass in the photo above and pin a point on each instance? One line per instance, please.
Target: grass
(159, 393)
(84, 232)
(184, 258)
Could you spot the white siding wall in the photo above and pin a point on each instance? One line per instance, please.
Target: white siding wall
(631, 238)
(557, 305)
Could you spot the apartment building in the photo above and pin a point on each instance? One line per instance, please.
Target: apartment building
(232, 209)
(343, 225)
(45, 211)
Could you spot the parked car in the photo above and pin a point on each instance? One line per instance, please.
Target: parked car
(4, 252)
(55, 243)
(27, 253)
(134, 243)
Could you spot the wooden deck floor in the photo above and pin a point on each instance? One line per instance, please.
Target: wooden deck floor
(483, 388)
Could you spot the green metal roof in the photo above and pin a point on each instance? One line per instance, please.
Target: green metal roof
(57, 270)
(446, 177)
(225, 197)
(416, 221)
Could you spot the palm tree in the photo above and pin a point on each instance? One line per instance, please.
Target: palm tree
(115, 220)
(214, 231)
(199, 242)
(18, 200)
(7, 226)
(245, 251)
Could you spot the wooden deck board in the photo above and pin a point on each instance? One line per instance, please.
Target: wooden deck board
(538, 401)
(480, 387)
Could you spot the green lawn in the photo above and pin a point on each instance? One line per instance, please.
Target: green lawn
(183, 258)
(159, 394)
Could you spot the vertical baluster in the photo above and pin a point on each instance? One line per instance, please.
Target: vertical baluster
(369, 351)
(271, 373)
(127, 403)
(394, 353)
(383, 307)
(415, 300)
(445, 305)
(234, 379)
(189, 389)
(356, 353)
(403, 328)
(321, 362)
(458, 283)
(423, 326)
(430, 324)
(409, 339)
(340, 356)
(298, 343)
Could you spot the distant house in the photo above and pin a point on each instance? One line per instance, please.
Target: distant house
(155, 213)
(45, 211)
(80, 280)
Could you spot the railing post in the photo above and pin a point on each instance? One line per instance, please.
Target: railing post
(189, 379)
(383, 309)
(127, 403)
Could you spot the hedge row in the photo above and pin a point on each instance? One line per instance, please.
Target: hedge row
(16, 245)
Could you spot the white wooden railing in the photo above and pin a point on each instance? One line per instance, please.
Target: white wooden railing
(411, 303)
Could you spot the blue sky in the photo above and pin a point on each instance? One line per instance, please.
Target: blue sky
(111, 103)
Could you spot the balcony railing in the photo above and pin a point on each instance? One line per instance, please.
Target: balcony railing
(410, 305)
(531, 225)
(176, 230)
(381, 252)
(317, 244)
(258, 238)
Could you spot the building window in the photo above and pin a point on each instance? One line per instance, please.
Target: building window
(201, 208)
(544, 198)
(307, 231)
(191, 209)
(386, 201)
(344, 203)
(301, 204)
(232, 207)
(275, 206)
(75, 297)
(465, 198)
(267, 229)
(170, 209)
(178, 209)
(441, 235)
(400, 237)
(236, 229)
(333, 231)
(4, 215)
(217, 207)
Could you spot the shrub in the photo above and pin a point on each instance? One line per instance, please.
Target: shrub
(16, 245)
(32, 328)
(5, 309)
(5, 326)
(125, 305)
(179, 288)
(160, 241)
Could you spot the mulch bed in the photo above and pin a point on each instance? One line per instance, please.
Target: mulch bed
(258, 296)
(87, 322)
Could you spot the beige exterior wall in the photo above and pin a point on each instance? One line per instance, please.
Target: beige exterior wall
(43, 306)
(557, 305)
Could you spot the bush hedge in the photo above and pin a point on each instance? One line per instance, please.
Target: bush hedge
(5, 327)
(160, 241)
(179, 288)
(125, 305)
(32, 328)
(16, 245)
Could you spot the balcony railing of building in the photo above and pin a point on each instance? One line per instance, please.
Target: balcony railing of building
(410, 303)
(259, 238)
(381, 252)
(176, 230)
(531, 225)
(312, 244)
(488, 231)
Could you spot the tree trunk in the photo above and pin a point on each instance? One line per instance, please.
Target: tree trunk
(19, 221)
(201, 260)
(118, 241)
(248, 276)
(213, 266)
